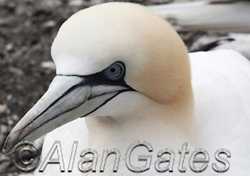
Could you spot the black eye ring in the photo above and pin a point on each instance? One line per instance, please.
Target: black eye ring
(115, 71)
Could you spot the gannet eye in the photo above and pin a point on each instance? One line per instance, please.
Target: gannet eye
(115, 71)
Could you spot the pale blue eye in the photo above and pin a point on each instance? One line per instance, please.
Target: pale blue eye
(115, 71)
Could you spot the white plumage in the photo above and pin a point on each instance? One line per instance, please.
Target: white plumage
(221, 82)
(240, 43)
(233, 16)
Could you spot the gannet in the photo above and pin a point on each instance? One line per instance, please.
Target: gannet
(234, 41)
(126, 73)
(239, 43)
(213, 15)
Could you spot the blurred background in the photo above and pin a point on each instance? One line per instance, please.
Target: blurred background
(28, 27)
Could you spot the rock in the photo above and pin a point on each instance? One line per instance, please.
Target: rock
(9, 47)
(11, 5)
(49, 24)
(9, 97)
(10, 122)
(32, 62)
(15, 117)
(50, 3)
(16, 71)
(8, 111)
(6, 21)
(75, 3)
(3, 108)
(4, 128)
(49, 65)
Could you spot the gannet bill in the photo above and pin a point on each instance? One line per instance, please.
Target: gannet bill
(126, 72)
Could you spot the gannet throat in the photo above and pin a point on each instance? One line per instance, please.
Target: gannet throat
(74, 94)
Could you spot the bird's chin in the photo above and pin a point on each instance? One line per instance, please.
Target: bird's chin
(67, 98)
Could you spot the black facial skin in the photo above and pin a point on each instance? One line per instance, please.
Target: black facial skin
(112, 75)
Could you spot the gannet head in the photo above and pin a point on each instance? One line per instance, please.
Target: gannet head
(105, 55)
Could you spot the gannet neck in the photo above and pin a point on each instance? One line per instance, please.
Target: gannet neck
(159, 124)
(150, 118)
